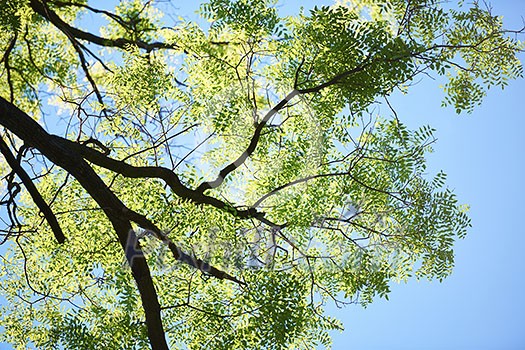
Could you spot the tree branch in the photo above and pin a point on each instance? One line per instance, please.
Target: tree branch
(53, 148)
(251, 146)
(40, 7)
(5, 59)
(177, 252)
(335, 79)
(292, 183)
(33, 191)
(165, 174)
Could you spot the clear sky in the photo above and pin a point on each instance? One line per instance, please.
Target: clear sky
(481, 306)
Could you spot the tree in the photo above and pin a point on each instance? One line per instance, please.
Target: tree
(215, 184)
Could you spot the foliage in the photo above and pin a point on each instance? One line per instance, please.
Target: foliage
(295, 201)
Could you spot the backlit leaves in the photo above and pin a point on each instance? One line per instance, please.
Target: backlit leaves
(340, 199)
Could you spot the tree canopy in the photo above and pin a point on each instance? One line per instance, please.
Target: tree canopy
(213, 184)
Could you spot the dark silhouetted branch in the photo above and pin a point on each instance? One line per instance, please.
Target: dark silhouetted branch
(57, 151)
(177, 252)
(33, 191)
(251, 146)
(41, 8)
(165, 174)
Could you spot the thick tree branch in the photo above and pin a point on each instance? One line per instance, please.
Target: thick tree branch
(165, 174)
(33, 191)
(53, 148)
(251, 146)
(40, 7)
(111, 15)
(70, 156)
(5, 59)
(260, 126)
(178, 254)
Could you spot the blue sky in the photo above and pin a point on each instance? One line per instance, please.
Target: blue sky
(481, 305)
